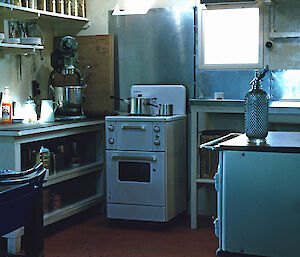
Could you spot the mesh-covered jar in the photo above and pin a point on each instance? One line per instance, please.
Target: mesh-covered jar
(256, 112)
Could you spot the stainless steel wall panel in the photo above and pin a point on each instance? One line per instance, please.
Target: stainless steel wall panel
(155, 48)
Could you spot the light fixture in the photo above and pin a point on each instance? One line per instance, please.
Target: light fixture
(132, 7)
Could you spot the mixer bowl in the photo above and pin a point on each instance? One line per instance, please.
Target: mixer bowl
(69, 99)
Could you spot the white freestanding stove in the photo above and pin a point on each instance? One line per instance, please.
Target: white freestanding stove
(146, 159)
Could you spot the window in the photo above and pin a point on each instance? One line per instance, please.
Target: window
(230, 38)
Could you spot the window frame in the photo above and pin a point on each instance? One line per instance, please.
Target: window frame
(203, 66)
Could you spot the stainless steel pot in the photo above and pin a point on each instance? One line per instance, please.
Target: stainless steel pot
(68, 99)
(140, 106)
(165, 110)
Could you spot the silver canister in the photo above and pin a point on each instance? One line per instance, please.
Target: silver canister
(165, 110)
(256, 111)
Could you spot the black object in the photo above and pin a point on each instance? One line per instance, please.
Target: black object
(35, 88)
(269, 44)
(21, 204)
(226, 1)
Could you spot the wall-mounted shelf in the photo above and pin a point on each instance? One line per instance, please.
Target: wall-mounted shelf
(6, 48)
(9, 11)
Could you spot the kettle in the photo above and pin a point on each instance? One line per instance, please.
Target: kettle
(47, 111)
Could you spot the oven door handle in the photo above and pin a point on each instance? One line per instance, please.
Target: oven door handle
(133, 127)
(136, 158)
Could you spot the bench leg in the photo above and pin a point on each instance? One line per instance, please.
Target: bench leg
(14, 241)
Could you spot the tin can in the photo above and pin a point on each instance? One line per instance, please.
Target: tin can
(56, 201)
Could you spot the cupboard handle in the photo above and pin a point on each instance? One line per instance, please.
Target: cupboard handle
(137, 158)
(133, 127)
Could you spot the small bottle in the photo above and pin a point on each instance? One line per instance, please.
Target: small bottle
(6, 107)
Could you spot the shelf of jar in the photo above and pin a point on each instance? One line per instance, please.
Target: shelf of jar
(64, 175)
(9, 11)
(69, 210)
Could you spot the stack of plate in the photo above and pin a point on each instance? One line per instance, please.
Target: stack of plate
(12, 40)
(31, 40)
(1, 37)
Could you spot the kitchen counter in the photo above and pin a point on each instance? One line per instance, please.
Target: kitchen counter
(237, 106)
(227, 114)
(22, 129)
(284, 142)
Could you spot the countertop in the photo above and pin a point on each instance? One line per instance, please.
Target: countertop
(21, 129)
(275, 142)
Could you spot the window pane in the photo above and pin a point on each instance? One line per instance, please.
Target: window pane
(231, 36)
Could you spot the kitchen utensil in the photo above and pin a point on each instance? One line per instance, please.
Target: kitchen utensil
(47, 111)
(68, 99)
(138, 105)
(165, 110)
(29, 111)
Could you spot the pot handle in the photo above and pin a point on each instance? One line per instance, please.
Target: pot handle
(118, 98)
(152, 104)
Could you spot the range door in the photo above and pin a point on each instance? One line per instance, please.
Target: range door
(136, 185)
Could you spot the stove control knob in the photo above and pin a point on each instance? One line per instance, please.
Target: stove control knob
(111, 141)
(156, 129)
(157, 142)
(110, 127)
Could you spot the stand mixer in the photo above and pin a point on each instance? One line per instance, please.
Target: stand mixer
(68, 98)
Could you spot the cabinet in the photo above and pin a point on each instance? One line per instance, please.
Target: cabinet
(76, 178)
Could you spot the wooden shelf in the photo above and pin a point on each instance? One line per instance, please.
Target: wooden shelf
(9, 11)
(75, 172)
(72, 209)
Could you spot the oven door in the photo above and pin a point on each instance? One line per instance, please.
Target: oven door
(135, 177)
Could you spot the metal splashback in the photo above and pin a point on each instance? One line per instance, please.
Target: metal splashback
(279, 84)
(155, 48)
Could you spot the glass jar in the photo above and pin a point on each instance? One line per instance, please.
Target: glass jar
(25, 3)
(41, 5)
(81, 8)
(32, 4)
(67, 7)
(59, 4)
(17, 2)
(72, 7)
(49, 5)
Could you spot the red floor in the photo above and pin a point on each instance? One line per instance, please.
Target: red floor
(97, 237)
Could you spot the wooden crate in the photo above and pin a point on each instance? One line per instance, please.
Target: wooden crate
(98, 52)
